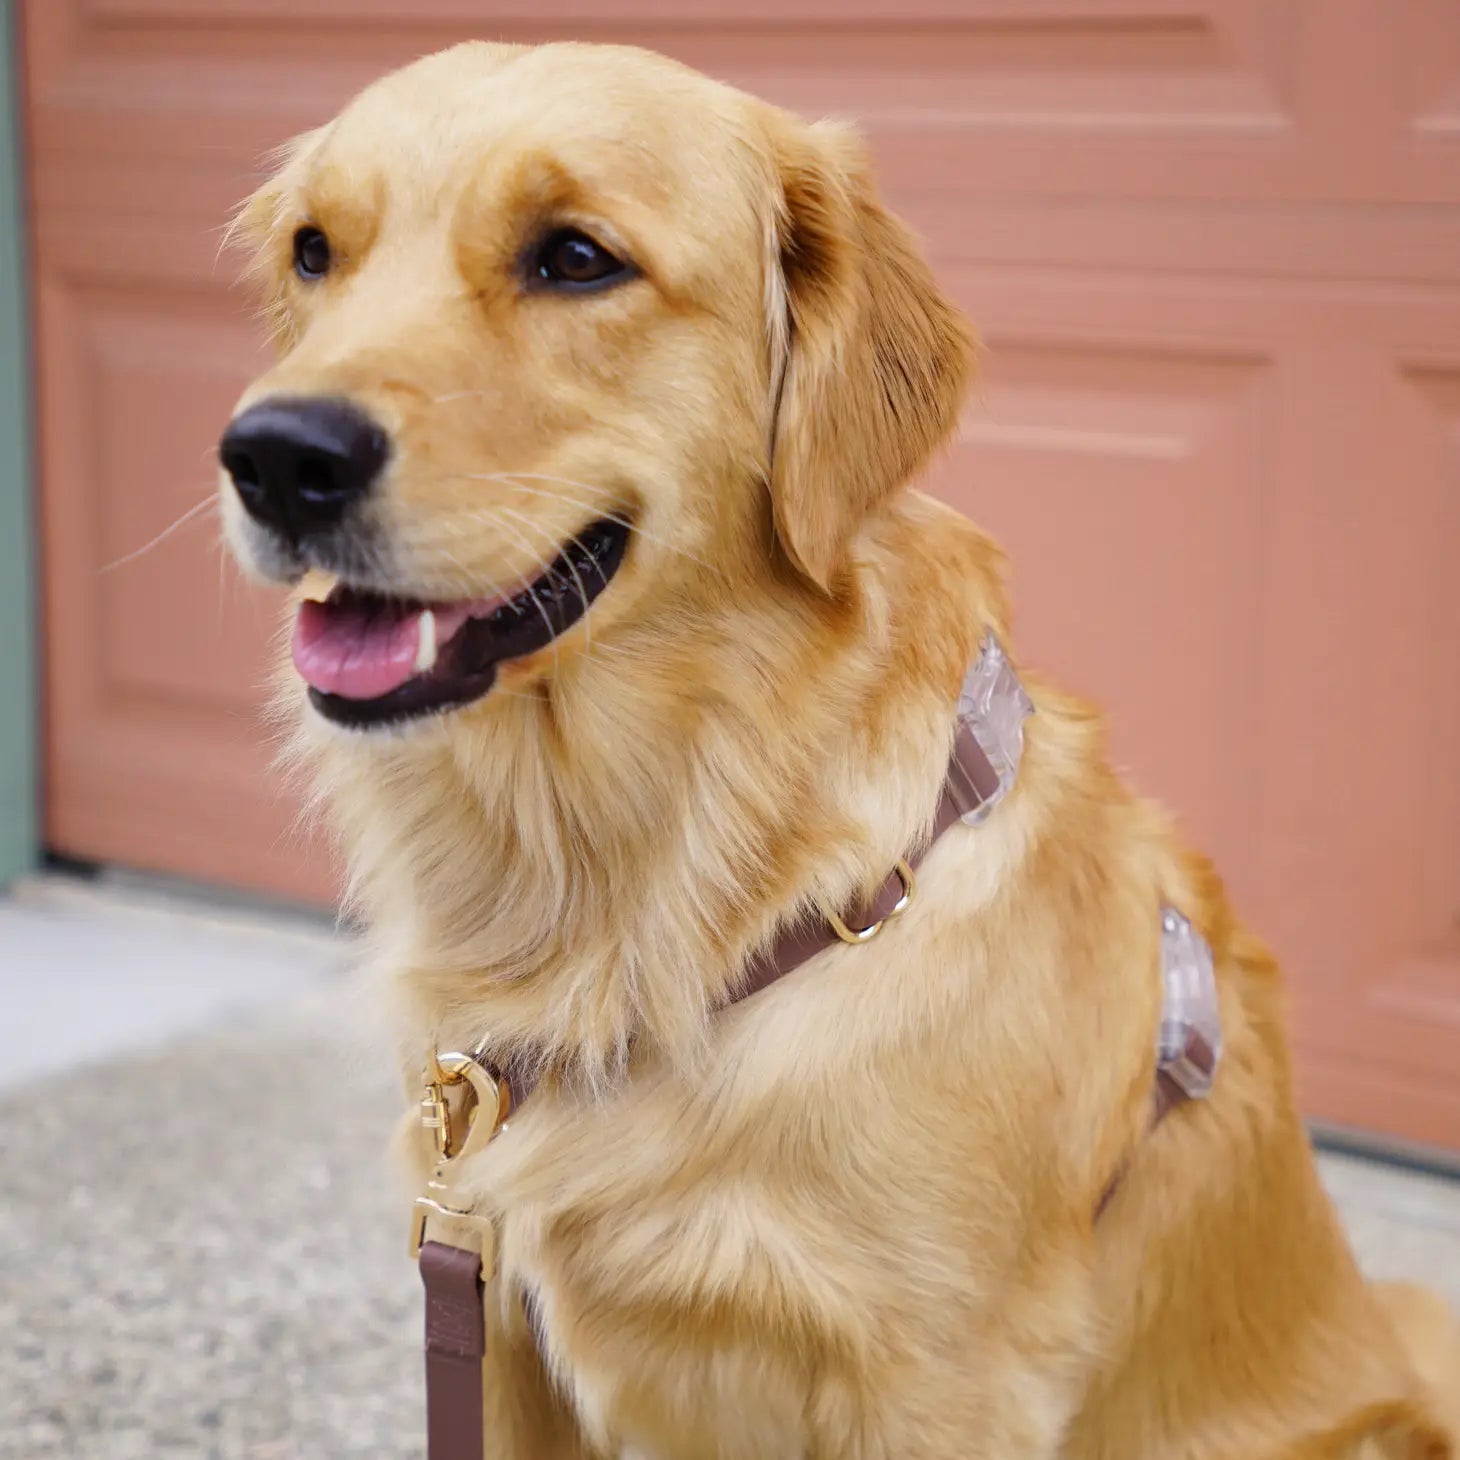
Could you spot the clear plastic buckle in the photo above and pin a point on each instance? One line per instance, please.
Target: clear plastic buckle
(993, 706)
(1189, 1045)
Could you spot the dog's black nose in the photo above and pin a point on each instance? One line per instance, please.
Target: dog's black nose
(298, 463)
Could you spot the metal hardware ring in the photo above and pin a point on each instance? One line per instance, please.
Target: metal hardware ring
(865, 935)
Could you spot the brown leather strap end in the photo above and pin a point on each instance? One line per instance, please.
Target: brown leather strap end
(456, 1343)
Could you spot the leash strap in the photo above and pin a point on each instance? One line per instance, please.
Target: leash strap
(456, 1344)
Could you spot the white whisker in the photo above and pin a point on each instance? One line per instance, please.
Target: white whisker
(167, 532)
(572, 568)
(441, 400)
(532, 592)
(456, 518)
(519, 480)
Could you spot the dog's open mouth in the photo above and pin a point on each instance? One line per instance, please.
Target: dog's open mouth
(370, 659)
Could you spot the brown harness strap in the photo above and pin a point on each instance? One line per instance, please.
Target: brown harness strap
(1168, 1095)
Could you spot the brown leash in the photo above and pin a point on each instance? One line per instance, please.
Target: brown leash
(456, 1344)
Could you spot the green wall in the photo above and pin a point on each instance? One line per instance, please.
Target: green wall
(19, 834)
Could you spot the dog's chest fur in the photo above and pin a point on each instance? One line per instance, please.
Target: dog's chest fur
(727, 1261)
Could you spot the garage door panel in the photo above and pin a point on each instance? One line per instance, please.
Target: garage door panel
(1429, 79)
(1342, 242)
(1361, 837)
(1412, 852)
(1194, 100)
(1377, 1092)
(1183, 17)
(1423, 499)
(1090, 75)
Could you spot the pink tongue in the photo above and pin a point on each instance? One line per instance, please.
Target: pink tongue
(360, 650)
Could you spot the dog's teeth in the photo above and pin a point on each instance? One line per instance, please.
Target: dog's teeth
(426, 642)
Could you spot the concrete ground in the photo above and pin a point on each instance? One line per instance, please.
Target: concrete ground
(203, 1252)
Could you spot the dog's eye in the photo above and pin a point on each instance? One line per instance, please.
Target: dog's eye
(571, 260)
(311, 253)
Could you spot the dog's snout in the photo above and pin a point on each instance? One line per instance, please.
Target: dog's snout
(300, 463)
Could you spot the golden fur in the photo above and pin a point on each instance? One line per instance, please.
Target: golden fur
(854, 1215)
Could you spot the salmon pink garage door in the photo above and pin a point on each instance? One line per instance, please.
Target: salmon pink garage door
(1214, 248)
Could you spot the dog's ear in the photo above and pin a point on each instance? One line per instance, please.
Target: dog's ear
(870, 358)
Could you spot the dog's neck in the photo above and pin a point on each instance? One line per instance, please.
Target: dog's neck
(572, 871)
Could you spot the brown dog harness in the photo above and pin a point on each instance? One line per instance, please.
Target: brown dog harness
(456, 1248)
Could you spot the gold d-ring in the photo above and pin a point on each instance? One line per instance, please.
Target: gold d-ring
(865, 935)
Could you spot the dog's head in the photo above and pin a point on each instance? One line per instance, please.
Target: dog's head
(566, 331)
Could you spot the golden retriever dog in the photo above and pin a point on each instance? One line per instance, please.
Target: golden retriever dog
(620, 645)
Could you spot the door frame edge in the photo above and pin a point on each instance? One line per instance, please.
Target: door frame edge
(20, 837)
